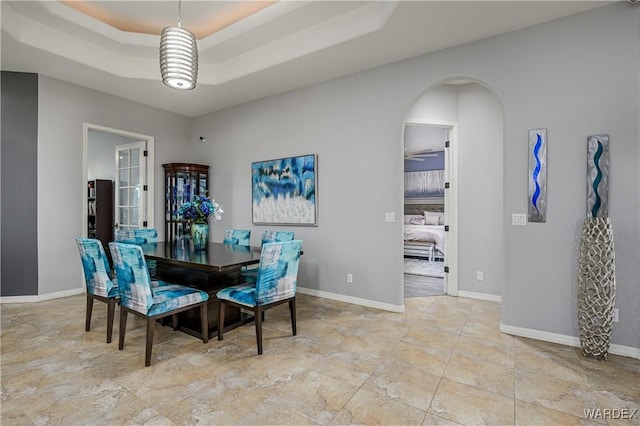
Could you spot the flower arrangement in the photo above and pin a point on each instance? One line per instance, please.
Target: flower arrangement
(199, 210)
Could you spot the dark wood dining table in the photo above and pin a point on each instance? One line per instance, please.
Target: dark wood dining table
(216, 267)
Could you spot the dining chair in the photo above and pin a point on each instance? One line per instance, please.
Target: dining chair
(100, 285)
(139, 236)
(250, 274)
(240, 237)
(276, 284)
(139, 298)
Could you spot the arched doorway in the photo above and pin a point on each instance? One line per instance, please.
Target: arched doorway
(471, 116)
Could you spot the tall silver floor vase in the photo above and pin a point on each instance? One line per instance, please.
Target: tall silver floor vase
(596, 287)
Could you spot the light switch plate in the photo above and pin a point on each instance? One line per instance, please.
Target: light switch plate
(390, 217)
(519, 219)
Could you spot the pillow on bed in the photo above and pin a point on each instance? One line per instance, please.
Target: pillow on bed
(431, 218)
(417, 220)
(409, 217)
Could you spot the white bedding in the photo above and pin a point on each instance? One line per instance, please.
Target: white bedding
(425, 233)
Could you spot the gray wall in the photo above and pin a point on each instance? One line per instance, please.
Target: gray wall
(19, 252)
(575, 76)
(63, 110)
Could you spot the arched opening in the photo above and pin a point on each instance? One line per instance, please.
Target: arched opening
(467, 117)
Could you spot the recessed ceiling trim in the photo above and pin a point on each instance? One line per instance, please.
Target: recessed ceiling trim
(42, 37)
(251, 22)
(74, 17)
(356, 23)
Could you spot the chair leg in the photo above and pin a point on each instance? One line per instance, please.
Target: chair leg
(151, 327)
(123, 327)
(87, 322)
(111, 311)
(205, 322)
(292, 310)
(257, 315)
(220, 319)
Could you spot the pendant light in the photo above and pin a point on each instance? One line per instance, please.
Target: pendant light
(178, 56)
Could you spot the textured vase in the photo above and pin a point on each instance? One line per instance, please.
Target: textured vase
(200, 235)
(596, 287)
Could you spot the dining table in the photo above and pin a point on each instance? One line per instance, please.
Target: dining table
(211, 269)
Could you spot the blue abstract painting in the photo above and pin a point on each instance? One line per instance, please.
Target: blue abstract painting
(537, 175)
(284, 191)
(598, 176)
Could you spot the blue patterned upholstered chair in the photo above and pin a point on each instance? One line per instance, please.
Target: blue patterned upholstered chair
(241, 237)
(276, 284)
(100, 285)
(249, 274)
(139, 236)
(139, 298)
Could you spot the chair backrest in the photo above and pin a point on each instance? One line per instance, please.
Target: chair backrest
(96, 267)
(137, 236)
(134, 283)
(240, 237)
(277, 236)
(278, 271)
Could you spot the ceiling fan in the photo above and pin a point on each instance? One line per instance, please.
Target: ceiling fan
(419, 155)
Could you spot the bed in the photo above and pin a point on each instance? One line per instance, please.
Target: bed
(424, 231)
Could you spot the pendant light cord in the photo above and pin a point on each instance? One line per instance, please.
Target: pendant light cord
(180, 13)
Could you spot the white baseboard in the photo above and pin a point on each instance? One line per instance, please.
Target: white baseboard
(565, 340)
(387, 306)
(352, 300)
(42, 297)
(480, 296)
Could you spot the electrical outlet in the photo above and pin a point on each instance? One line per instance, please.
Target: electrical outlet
(479, 276)
(390, 217)
(349, 278)
(616, 315)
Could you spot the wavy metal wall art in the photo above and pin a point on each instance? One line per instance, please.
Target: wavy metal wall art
(537, 175)
(597, 176)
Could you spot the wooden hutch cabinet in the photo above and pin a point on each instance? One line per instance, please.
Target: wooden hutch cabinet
(100, 210)
(182, 181)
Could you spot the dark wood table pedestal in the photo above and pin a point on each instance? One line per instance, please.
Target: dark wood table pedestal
(209, 270)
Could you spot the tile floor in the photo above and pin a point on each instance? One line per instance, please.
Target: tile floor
(443, 361)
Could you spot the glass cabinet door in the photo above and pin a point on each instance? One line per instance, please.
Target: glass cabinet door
(183, 182)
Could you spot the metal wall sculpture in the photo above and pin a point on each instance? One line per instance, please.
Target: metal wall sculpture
(537, 175)
(596, 263)
(597, 176)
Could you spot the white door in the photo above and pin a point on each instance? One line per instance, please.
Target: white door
(451, 212)
(131, 186)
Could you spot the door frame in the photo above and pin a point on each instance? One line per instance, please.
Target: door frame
(450, 200)
(86, 127)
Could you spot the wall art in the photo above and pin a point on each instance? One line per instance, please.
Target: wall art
(426, 184)
(284, 191)
(598, 176)
(537, 175)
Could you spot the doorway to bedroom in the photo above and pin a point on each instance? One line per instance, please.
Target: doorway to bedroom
(474, 167)
(425, 177)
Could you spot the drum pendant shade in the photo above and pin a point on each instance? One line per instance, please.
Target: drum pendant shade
(178, 58)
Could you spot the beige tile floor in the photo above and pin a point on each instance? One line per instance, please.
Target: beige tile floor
(443, 361)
